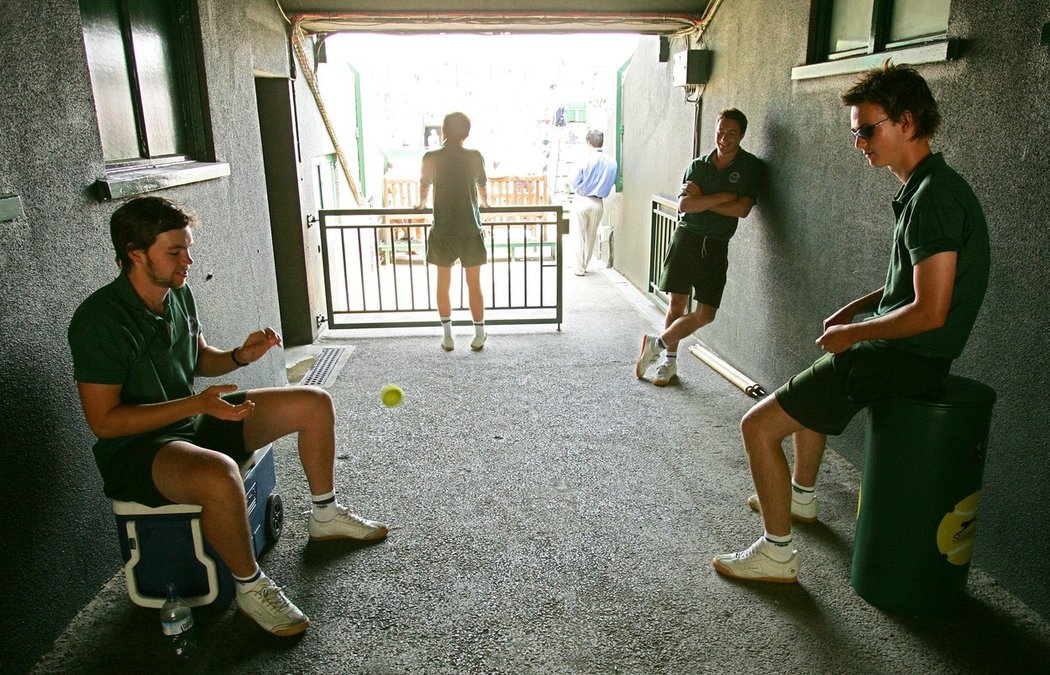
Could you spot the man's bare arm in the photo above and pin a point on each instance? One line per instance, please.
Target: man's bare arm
(738, 208)
(692, 200)
(109, 418)
(212, 362)
(934, 280)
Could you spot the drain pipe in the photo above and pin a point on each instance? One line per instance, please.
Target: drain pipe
(747, 385)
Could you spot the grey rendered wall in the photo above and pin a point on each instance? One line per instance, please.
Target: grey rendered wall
(820, 235)
(59, 536)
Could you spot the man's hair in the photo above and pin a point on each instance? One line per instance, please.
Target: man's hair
(595, 138)
(136, 224)
(456, 126)
(735, 115)
(896, 89)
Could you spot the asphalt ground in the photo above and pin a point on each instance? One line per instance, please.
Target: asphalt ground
(555, 515)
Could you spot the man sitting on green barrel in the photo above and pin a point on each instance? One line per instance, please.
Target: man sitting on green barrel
(937, 277)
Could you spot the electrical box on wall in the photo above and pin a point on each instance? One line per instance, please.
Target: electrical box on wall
(691, 67)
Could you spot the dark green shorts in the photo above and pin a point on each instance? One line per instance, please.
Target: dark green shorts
(128, 476)
(696, 265)
(445, 249)
(827, 395)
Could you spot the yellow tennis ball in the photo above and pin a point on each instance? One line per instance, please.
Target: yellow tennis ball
(391, 395)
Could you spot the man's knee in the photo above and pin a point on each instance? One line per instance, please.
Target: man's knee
(319, 403)
(758, 422)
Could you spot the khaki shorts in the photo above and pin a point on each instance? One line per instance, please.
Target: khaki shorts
(827, 395)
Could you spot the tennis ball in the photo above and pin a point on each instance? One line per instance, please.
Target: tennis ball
(391, 395)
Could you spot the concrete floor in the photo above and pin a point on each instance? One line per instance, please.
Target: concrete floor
(556, 515)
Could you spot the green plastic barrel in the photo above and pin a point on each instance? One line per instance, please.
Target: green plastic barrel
(921, 486)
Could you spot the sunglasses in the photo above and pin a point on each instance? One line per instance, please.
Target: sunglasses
(867, 131)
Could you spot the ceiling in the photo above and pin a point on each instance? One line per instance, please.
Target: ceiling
(662, 17)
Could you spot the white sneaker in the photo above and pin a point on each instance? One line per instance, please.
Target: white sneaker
(478, 342)
(268, 606)
(649, 353)
(346, 525)
(754, 564)
(800, 513)
(448, 343)
(666, 372)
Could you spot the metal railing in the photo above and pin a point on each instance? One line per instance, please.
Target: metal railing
(664, 220)
(376, 273)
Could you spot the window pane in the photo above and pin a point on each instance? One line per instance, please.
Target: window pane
(917, 18)
(155, 39)
(850, 25)
(107, 62)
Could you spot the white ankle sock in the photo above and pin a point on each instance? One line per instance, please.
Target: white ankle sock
(248, 583)
(801, 494)
(324, 507)
(446, 325)
(479, 329)
(777, 547)
(671, 355)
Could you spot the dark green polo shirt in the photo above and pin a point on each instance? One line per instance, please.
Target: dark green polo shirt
(936, 212)
(743, 176)
(456, 173)
(115, 339)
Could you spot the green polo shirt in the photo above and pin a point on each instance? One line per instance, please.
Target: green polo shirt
(456, 173)
(743, 176)
(936, 212)
(115, 339)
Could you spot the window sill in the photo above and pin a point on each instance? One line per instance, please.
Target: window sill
(931, 53)
(11, 208)
(130, 182)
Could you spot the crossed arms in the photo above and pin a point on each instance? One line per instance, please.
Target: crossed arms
(692, 200)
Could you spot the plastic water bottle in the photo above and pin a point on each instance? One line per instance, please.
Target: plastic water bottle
(176, 621)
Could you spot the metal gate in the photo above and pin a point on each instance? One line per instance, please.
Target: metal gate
(664, 221)
(376, 273)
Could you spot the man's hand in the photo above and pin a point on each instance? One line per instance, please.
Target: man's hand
(212, 404)
(836, 338)
(257, 344)
(690, 189)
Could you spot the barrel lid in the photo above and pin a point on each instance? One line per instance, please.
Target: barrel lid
(958, 392)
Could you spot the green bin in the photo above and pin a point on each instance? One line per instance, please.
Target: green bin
(917, 510)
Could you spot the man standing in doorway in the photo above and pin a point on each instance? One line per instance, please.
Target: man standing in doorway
(718, 189)
(923, 315)
(137, 347)
(592, 184)
(460, 186)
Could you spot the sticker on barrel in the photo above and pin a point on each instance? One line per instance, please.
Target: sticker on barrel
(955, 533)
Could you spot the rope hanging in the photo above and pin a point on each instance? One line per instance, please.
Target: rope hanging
(306, 66)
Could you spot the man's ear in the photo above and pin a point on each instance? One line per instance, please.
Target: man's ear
(136, 255)
(907, 124)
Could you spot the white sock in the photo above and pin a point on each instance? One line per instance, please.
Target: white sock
(245, 584)
(324, 507)
(777, 547)
(479, 329)
(446, 325)
(800, 494)
(671, 355)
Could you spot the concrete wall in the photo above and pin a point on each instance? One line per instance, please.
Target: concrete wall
(58, 532)
(820, 235)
